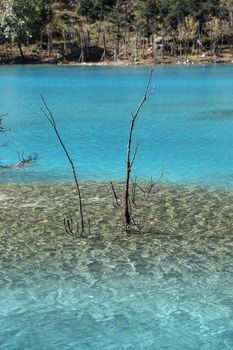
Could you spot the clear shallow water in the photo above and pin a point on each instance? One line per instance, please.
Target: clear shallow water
(168, 289)
(186, 128)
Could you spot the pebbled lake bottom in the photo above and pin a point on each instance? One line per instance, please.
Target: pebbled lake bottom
(170, 287)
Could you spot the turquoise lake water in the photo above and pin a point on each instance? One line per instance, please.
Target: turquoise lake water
(168, 289)
(185, 129)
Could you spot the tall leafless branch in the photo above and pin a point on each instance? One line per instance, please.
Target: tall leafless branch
(50, 117)
(129, 161)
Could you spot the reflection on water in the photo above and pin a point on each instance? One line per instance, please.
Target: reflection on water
(218, 115)
(169, 288)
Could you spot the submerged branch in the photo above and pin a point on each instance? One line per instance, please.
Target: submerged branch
(22, 162)
(2, 129)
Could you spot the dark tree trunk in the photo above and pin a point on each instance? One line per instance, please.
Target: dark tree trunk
(20, 49)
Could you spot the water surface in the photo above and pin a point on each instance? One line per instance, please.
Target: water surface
(169, 287)
(186, 128)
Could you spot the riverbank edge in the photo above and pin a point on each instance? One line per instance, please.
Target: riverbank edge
(189, 60)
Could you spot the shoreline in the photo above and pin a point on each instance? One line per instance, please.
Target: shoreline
(189, 60)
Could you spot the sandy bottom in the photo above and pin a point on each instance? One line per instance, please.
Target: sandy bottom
(187, 218)
(169, 288)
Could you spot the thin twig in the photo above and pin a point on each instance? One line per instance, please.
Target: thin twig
(114, 193)
(134, 155)
(140, 188)
(69, 227)
(133, 192)
(155, 184)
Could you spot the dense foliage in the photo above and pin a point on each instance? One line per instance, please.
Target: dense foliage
(131, 29)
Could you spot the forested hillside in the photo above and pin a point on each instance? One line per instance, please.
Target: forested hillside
(100, 30)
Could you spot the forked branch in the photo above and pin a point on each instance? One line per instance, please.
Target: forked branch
(129, 160)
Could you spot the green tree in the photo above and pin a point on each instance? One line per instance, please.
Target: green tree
(213, 29)
(21, 20)
(117, 19)
(228, 5)
(203, 10)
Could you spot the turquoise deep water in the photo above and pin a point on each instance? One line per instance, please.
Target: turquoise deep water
(185, 129)
(168, 289)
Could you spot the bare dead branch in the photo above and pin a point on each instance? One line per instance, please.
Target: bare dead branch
(133, 191)
(49, 116)
(140, 188)
(114, 194)
(137, 225)
(153, 185)
(22, 162)
(69, 227)
(134, 155)
(129, 161)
